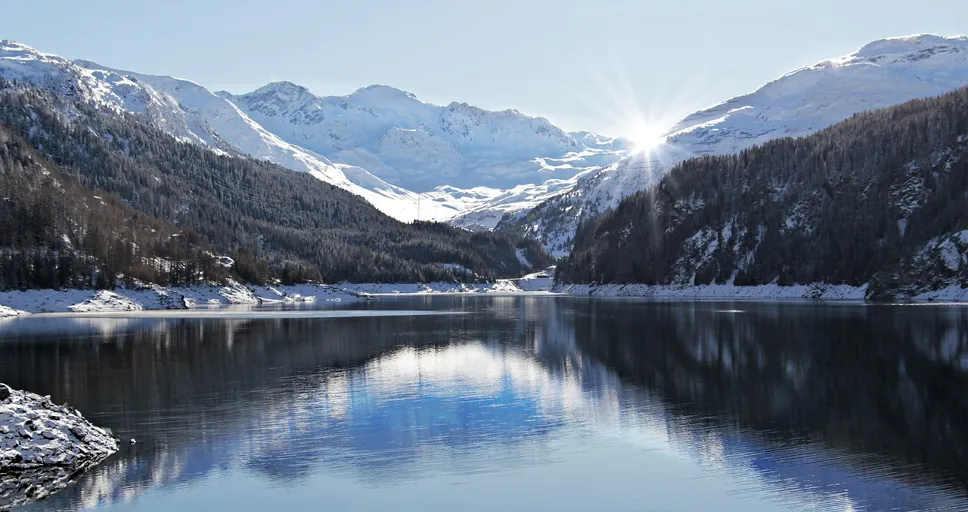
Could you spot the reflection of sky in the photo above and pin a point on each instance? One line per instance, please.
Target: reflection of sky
(400, 408)
(539, 422)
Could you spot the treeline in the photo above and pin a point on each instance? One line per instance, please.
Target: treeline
(275, 223)
(860, 202)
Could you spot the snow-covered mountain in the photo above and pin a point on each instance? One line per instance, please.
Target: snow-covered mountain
(881, 74)
(421, 146)
(408, 158)
(193, 114)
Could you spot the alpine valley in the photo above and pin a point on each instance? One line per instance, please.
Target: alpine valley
(191, 173)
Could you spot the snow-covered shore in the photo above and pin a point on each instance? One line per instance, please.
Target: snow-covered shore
(760, 292)
(17, 303)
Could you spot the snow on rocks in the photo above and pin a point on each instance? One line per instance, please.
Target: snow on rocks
(377, 289)
(35, 432)
(124, 299)
(8, 312)
(44, 446)
(144, 298)
(720, 291)
(106, 301)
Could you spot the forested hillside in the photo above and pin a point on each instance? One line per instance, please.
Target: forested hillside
(274, 223)
(881, 198)
(59, 234)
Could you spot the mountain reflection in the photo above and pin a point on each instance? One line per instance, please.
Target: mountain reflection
(845, 406)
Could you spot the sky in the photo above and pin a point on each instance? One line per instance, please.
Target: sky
(602, 65)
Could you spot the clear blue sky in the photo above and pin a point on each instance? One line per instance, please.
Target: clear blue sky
(585, 64)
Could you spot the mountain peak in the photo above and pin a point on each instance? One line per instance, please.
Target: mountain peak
(283, 85)
(909, 44)
(11, 45)
(378, 91)
(13, 51)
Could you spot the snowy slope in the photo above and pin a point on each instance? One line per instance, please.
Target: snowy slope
(880, 74)
(421, 146)
(193, 114)
(458, 156)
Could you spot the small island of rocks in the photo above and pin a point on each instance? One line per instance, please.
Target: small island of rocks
(44, 446)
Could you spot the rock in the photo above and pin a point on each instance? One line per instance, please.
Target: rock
(4, 392)
(133, 441)
(35, 434)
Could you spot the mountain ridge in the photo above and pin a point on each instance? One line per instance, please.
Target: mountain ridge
(877, 201)
(796, 104)
(194, 114)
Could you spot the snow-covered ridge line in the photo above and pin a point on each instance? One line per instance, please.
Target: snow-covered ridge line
(766, 292)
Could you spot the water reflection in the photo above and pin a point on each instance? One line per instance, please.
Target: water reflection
(763, 407)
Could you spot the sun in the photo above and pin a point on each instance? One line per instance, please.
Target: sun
(645, 136)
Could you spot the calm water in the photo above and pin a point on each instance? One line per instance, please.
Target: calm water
(516, 403)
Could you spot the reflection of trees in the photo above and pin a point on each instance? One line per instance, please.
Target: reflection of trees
(195, 391)
(880, 379)
(200, 393)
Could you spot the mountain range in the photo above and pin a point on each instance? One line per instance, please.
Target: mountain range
(483, 169)
(96, 197)
(408, 158)
(489, 170)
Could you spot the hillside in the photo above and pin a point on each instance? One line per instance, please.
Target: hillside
(274, 223)
(59, 234)
(880, 199)
(881, 74)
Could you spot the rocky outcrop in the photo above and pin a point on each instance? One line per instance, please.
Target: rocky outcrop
(44, 447)
(34, 433)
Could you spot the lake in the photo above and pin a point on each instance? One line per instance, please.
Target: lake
(514, 403)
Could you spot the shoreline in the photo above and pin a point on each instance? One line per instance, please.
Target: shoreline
(73, 302)
(766, 292)
(80, 302)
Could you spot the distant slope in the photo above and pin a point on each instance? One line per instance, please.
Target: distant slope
(421, 146)
(880, 199)
(256, 210)
(880, 74)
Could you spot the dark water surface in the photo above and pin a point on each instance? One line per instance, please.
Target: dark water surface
(518, 403)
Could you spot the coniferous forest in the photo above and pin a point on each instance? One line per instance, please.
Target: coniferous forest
(91, 196)
(881, 198)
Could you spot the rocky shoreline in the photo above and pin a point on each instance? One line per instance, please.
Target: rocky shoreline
(43, 446)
